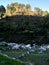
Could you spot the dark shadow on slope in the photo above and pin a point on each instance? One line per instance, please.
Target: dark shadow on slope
(23, 28)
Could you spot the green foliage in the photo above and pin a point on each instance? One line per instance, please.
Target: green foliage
(7, 61)
(38, 59)
(2, 11)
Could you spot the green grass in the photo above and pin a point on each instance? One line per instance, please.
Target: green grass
(6, 61)
(14, 53)
(37, 59)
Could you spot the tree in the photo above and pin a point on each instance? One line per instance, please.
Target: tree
(45, 13)
(11, 8)
(28, 6)
(23, 5)
(2, 11)
(38, 11)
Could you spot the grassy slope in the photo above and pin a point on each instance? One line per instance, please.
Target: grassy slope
(38, 59)
(7, 61)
